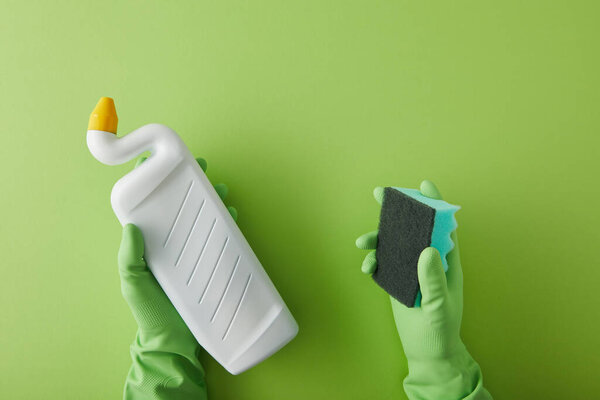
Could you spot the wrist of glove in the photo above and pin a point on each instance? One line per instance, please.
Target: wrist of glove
(456, 376)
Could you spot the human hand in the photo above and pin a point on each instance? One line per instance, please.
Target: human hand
(439, 364)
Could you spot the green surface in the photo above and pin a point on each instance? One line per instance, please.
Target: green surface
(302, 108)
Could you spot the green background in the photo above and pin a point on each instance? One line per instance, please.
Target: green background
(302, 108)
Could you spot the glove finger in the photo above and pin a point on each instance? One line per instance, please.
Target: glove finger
(429, 189)
(137, 282)
(378, 193)
(369, 264)
(140, 161)
(368, 241)
(131, 252)
(222, 190)
(203, 163)
(454, 276)
(432, 281)
(233, 212)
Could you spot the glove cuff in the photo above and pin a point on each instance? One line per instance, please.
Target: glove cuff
(456, 376)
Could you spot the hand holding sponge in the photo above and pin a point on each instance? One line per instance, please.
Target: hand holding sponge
(417, 230)
(409, 223)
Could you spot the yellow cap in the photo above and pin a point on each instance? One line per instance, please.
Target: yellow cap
(104, 117)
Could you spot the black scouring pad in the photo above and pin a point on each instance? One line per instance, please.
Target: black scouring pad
(409, 223)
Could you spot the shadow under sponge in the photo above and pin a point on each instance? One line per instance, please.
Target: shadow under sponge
(409, 223)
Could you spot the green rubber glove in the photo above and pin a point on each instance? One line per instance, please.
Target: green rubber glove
(439, 365)
(165, 353)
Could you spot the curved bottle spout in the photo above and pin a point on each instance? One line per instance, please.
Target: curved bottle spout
(112, 150)
(166, 149)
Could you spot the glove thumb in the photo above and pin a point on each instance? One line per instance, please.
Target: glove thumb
(138, 285)
(432, 280)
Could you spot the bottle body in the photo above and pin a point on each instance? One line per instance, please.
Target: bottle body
(197, 253)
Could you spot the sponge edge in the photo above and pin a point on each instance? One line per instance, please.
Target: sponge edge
(409, 223)
(444, 223)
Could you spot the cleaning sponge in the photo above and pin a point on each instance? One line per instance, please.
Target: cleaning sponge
(409, 223)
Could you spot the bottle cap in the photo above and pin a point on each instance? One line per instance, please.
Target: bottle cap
(104, 117)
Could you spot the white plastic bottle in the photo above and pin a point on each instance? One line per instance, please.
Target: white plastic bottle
(192, 244)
